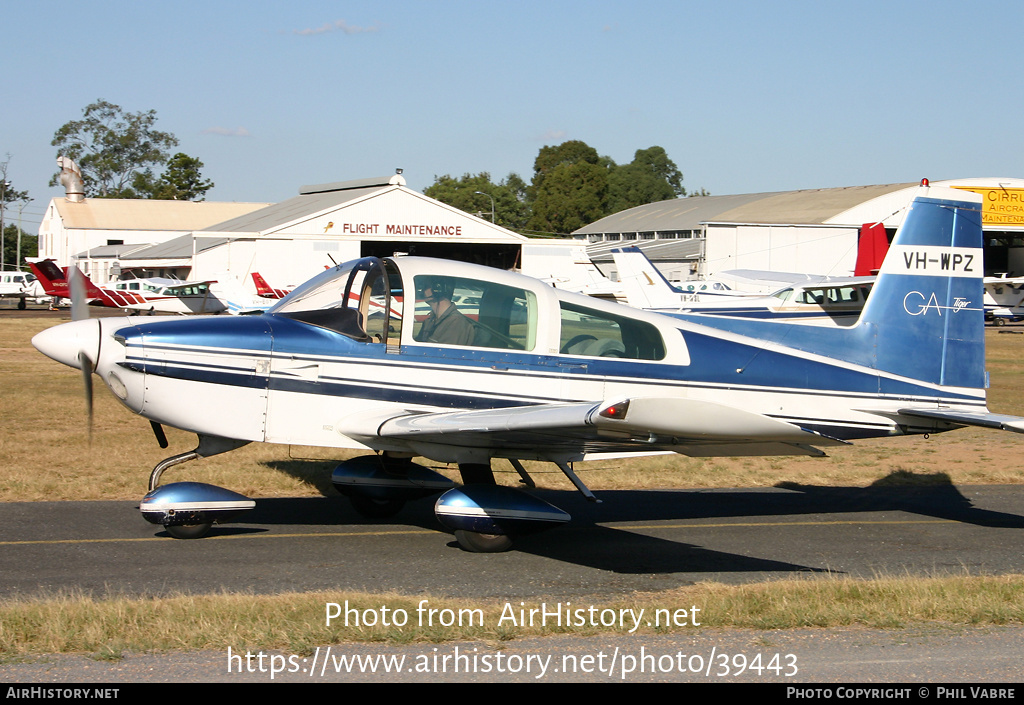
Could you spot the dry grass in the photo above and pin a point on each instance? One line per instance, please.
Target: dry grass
(47, 456)
(296, 622)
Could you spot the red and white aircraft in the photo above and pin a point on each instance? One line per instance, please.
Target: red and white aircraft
(152, 295)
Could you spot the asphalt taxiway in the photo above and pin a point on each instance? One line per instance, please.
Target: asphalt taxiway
(633, 540)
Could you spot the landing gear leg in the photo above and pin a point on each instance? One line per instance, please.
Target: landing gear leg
(208, 445)
(477, 474)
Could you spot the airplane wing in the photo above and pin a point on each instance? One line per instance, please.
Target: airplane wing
(1014, 281)
(179, 287)
(638, 424)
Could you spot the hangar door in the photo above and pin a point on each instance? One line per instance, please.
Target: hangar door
(498, 255)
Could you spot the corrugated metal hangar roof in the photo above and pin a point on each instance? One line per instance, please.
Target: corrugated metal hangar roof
(787, 207)
(311, 200)
(148, 214)
(661, 250)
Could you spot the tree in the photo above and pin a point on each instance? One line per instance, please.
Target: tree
(649, 178)
(9, 195)
(29, 246)
(569, 197)
(569, 188)
(572, 187)
(473, 193)
(181, 181)
(118, 151)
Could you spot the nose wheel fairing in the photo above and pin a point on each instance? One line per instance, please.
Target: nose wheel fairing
(189, 509)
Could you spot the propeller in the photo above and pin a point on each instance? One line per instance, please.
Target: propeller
(80, 311)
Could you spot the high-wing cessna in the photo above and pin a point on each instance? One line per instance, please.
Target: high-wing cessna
(1004, 299)
(536, 373)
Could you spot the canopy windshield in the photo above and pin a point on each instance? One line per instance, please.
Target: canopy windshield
(361, 299)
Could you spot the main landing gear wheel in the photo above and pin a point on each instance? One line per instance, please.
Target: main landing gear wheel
(483, 543)
(376, 508)
(189, 531)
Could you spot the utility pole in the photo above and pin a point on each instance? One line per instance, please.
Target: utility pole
(24, 202)
(4, 185)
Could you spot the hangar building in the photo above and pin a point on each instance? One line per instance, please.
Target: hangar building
(286, 242)
(811, 232)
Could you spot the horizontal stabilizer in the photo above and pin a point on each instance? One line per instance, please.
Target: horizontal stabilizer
(967, 418)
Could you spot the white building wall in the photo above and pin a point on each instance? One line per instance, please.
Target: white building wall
(805, 249)
(283, 263)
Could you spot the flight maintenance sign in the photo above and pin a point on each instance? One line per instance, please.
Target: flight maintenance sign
(1002, 206)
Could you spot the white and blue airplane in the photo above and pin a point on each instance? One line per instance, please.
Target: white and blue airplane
(535, 373)
(822, 300)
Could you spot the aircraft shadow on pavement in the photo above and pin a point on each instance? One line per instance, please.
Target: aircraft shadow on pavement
(588, 540)
(583, 542)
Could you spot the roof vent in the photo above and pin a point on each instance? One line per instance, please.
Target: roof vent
(397, 179)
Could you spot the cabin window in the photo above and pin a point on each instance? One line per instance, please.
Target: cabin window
(473, 312)
(591, 333)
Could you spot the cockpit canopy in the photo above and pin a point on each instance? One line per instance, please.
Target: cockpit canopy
(368, 300)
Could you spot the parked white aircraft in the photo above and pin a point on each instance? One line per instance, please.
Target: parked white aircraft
(1004, 299)
(22, 286)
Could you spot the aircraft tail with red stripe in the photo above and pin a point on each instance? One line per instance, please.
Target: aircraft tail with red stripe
(265, 290)
(54, 281)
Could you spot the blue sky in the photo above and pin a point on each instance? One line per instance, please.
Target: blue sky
(744, 96)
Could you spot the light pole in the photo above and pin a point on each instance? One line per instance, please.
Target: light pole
(492, 202)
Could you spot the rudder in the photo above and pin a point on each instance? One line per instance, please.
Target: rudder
(926, 305)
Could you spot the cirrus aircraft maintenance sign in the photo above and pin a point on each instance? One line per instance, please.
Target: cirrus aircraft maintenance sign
(1002, 206)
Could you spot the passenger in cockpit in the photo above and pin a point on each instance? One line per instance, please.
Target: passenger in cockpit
(445, 324)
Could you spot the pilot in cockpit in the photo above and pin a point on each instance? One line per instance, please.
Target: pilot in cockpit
(444, 324)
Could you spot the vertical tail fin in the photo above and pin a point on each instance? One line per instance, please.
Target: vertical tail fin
(50, 277)
(645, 286)
(262, 288)
(926, 305)
(265, 290)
